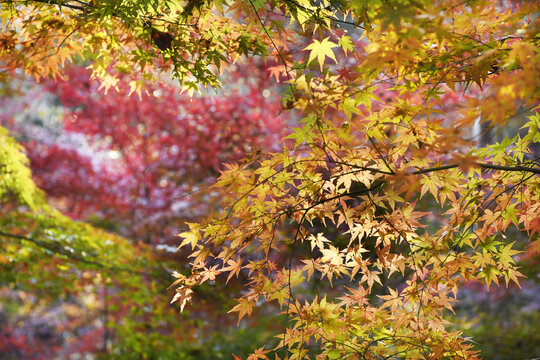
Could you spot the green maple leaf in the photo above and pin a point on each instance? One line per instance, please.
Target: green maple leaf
(346, 44)
(257, 4)
(321, 50)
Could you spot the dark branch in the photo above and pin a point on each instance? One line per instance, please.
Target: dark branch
(57, 3)
(533, 170)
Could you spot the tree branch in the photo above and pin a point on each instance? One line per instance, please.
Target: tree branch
(533, 170)
(74, 256)
(58, 3)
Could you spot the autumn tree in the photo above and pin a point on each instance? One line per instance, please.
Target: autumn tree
(356, 178)
(49, 253)
(162, 149)
(389, 93)
(154, 157)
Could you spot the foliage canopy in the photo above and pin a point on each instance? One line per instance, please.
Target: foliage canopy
(388, 94)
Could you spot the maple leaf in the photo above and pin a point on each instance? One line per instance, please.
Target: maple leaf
(346, 43)
(321, 50)
(318, 241)
(356, 297)
(183, 295)
(431, 184)
(332, 255)
(259, 353)
(190, 238)
(393, 300)
(244, 307)
(233, 268)
(277, 72)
